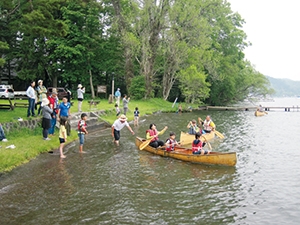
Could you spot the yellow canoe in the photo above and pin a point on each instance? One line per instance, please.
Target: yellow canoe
(258, 113)
(186, 138)
(185, 154)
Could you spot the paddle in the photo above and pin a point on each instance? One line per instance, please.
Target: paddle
(219, 134)
(145, 144)
(210, 148)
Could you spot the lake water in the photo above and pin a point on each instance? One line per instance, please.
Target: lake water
(122, 185)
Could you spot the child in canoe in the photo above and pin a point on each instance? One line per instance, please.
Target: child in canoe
(197, 145)
(171, 142)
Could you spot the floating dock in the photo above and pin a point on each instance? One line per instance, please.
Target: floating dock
(251, 108)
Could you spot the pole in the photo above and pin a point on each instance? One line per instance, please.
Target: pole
(174, 102)
(112, 85)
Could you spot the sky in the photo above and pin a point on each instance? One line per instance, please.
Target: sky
(272, 26)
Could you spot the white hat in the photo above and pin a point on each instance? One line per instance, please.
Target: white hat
(39, 81)
(45, 101)
(79, 86)
(123, 118)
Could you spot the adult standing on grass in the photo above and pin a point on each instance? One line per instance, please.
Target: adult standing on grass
(118, 96)
(125, 104)
(64, 112)
(118, 126)
(30, 92)
(46, 120)
(42, 93)
(80, 92)
(54, 106)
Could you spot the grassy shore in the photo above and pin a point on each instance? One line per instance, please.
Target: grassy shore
(29, 143)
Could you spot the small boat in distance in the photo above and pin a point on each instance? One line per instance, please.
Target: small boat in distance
(186, 154)
(258, 113)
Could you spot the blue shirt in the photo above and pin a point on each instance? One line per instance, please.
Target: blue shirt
(117, 93)
(64, 109)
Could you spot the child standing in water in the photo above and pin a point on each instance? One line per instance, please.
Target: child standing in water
(136, 114)
(82, 131)
(62, 136)
(117, 109)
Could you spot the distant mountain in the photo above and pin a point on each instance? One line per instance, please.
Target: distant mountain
(285, 87)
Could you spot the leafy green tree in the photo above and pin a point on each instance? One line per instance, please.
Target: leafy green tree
(137, 89)
(193, 85)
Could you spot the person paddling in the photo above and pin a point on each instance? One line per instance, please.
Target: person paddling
(197, 145)
(153, 133)
(171, 142)
(208, 124)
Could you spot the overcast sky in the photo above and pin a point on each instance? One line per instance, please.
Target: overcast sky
(272, 26)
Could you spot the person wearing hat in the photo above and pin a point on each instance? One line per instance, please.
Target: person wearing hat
(46, 120)
(53, 99)
(118, 126)
(118, 96)
(80, 92)
(42, 93)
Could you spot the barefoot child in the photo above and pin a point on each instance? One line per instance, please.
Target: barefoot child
(136, 114)
(62, 136)
(117, 110)
(82, 131)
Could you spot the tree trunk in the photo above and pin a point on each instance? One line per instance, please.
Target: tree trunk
(91, 83)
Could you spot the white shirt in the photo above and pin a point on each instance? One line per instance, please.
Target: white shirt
(118, 125)
(30, 92)
(80, 93)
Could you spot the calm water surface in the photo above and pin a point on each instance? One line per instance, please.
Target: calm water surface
(122, 185)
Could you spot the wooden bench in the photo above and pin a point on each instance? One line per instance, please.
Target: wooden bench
(7, 105)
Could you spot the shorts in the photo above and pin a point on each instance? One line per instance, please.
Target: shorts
(117, 135)
(81, 138)
(136, 117)
(62, 140)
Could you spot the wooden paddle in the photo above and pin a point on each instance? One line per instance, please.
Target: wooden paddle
(210, 148)
(219, 134)
(145, 144)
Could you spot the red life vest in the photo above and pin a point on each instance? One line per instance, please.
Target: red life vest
(152, 133)
(196, 145)
(170, 144)
(81, 124)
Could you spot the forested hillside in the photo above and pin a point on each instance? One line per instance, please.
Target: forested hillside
(285, 87)
(190, 49)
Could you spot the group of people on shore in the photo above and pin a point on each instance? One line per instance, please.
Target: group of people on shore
(52, 111)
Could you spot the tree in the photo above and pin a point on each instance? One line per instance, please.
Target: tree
(193, 85)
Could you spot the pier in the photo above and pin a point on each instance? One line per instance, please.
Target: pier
(251, 108)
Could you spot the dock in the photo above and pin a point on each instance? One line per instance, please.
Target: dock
(251, 108)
